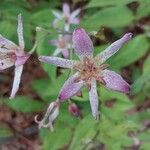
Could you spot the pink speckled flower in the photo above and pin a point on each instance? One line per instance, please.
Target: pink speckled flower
(62, 45)
(89, 70)
(13, 55)
(67, 16)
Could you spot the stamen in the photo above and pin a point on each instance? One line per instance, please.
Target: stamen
(104, 66)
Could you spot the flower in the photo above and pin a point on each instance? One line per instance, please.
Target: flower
(13, 55)
(62, 44)
(89, 70)
(50, 115)
(67, 16)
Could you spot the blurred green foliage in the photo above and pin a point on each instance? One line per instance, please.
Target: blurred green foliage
(112, 130)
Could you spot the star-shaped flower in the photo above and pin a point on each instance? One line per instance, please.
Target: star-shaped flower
(89, 70)
(13, 55)
(66, 16)
(62, 45)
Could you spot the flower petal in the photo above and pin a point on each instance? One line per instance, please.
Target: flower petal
(115, 82)
(9, 45)
(74, 20)
(93, 96)
(65, 63)
(21, 59)
(56, 52)
(114, 47)
(6, 63)
(70, 88)
(82, 43)
(17, 77)
(20, 32)
(65, 52)
(53, 42)
(66, 9)
(57, 14)
(75, 13)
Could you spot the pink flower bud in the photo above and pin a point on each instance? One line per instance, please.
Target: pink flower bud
(74, 110)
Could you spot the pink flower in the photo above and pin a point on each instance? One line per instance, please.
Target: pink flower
(90, 70)
(62, 45)
(67, 16)
(13, 55)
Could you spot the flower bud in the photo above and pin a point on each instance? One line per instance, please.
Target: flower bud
(74, 110)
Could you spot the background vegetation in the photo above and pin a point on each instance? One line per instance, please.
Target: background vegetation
(124, 122)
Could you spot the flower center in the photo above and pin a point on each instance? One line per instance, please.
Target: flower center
(62, 43)
(89, 69)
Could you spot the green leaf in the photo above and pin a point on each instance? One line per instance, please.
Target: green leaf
(49, 90)
(143, 83)
(42, 88)
(109, 17)
(55, 140)
(143, 9)
(146, 66)
(115, 133)
(85, 131)
(42, 18)
(43, 48)
(130, 52)
(23, 104)
(103, 3)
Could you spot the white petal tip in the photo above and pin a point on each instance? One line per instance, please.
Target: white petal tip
(41, 58)
(38, 29)
(128, 35)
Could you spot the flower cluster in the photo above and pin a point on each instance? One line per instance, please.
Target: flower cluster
(88, 70)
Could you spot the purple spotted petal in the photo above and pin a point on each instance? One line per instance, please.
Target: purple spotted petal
(9, 45)
(65, 63)
(114, 47)
(66, 9)
(82, 43)
(21, 59)
(70, 88)
(17, 77)
(115, 82)
(6, 63)
(20, 32)
(94, 99)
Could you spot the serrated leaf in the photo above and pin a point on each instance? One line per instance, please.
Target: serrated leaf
(23, 104)
(108, 17)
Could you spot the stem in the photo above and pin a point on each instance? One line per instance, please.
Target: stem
(58, 32)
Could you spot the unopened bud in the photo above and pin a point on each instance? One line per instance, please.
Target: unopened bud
(74, 110)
